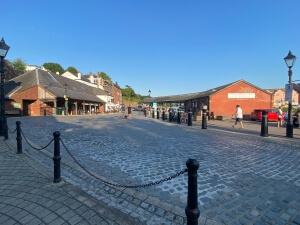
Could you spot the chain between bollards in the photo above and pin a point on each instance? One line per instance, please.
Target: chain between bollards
(56, 157)
(19, 138)
(192, 211)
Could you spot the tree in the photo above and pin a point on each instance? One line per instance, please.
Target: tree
(9, 71)
(129, 95)
(72, 70)
(117, 85)
(19, 65)
(54, 67)
(104, 76)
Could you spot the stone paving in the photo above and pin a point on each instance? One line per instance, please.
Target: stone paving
(28, 196)
(243, 178)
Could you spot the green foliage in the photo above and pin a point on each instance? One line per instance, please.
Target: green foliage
(104, 76)
(19, 65)
(117, 85)
(286, 108)
(54, 67)
(128, 94)
(72, 70)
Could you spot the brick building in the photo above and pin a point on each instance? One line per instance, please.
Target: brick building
(278, 96)
(39, 91)
(222, 100)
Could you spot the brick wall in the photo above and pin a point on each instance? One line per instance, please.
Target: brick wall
(220, 104)
(117, 94)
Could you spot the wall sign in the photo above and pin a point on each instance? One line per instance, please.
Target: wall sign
(17, 105)
(241, 95)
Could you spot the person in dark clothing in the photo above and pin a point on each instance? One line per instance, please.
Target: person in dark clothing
(129, 111)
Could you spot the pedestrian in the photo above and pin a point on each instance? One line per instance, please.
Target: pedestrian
(129, 111)
(280, 117)
(238, 116)
(296, 118)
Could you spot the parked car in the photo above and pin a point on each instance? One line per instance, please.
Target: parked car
(272, 114)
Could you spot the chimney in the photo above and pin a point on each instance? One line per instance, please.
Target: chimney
(91, 77)
(79, 76)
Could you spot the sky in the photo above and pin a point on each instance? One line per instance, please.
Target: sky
(167, 46)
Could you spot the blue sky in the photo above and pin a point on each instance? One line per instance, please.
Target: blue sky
(167, 46)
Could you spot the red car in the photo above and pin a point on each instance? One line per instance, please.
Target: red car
(272, 114)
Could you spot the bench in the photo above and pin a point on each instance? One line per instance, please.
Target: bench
(224, 118)
(14, 112)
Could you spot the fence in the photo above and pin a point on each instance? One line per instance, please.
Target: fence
(192, 211)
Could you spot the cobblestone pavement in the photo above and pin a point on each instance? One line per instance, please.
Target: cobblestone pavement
(28, 196)
(243, 178)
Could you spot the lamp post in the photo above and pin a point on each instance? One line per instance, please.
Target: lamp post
(3, 51)
(149, 92)
(66, 99)
(290, 60)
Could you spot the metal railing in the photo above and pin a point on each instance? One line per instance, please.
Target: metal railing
(192, 211)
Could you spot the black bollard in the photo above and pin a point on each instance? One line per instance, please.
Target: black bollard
(192, 211)
(163, 115)
(153, 114)
(204, 122)
(170, 116)
(157, 114)
(178, 117)
(264, 124)
(19, 138)
(145, 112)
(56, 157)
(189, 118)
(5, 128)
(45, 112)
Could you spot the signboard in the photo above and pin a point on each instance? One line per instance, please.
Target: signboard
(154, 106)
(289, 92)
(241, 95)
(17, 105)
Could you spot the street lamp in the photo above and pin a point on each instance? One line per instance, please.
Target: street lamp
(149, 92)
(66, 99)
(290, 60)
(3, 51)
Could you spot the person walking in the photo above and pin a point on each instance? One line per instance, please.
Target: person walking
(129, 111)
(238, 116)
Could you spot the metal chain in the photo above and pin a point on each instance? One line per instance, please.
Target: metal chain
(35, 147)
(10, 130)
(119, 185)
